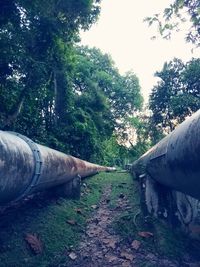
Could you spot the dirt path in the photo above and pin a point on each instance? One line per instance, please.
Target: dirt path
(104, 229)
(102, 247)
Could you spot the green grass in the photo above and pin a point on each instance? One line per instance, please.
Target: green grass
(166, 242)
(47, 217)
(123, 184)
(130, 222)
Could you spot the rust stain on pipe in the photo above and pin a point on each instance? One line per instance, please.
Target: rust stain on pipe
(26, 167)
(175, 160)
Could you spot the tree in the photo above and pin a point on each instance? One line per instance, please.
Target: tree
(141, 140)
(174, 15)
(36, 65)
(102, 97)
(122, 91)
(177, 93)
(35, 37)
(67, 97)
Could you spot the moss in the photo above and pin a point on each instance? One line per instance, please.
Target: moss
(124, 187)
(47, 217)
(166, 242)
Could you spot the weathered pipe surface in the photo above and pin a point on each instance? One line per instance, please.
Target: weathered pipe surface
(169, 178)
(26, 167)
(175, 160)
(177, 209)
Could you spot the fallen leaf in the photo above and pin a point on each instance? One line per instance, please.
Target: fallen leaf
(72, 256)
(94, 207)
(79, 211)
(95, 220)
(71, 222)
(111, 258)
(136, 244)
(118, 207)
(104, 218)
(145, 234)
(34, 242)
(127, 256)
(126, 264)
(109, 243)
(150, 256)
(94, 232)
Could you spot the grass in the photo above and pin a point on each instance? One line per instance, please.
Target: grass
(166, 242)
(47, 217)
(122, 184)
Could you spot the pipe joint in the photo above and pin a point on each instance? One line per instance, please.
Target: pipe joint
(37, 163)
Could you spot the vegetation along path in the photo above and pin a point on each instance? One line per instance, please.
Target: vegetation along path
(104, 228)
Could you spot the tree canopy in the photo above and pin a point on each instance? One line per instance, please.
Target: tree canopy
(178, 12)
(68, 97)
(177, 94)
(72, 97)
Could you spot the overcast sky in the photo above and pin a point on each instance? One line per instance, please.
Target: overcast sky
(121, 32)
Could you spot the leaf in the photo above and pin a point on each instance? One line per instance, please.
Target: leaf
(71, 222)
(121, 195)
(111, 258)
(34, 242)
(109, 242)
(127, 256)
(136, 244)
(79, 211)
(126, 264)
(72, 256)
(94, 207)
(145, 234)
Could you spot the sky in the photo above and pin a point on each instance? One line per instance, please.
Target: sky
(121, 32)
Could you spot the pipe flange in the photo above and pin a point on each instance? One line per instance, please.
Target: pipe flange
(38, 165)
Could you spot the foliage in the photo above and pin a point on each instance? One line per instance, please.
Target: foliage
(97, 70)
(37, 60)
(99, 90)
(67, 97)
(175, 14)
(177, 94)
(48, 218)
(144, 134)
(111, 151)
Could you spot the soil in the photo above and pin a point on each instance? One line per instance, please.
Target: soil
(105, 228)
(101, 246)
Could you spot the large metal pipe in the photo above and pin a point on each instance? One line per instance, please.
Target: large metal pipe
(26, 167)
(175, 160)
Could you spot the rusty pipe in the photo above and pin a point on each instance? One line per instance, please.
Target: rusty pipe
(27, 167)
(175, 160)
